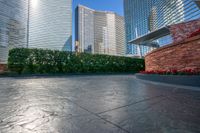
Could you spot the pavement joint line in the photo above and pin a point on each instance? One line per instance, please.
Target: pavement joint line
(147, 99)
(170, 85)
(114, 124)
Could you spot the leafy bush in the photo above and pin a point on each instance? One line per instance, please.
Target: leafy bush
(36, 61)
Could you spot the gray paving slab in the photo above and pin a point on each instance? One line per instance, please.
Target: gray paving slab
(96, 104)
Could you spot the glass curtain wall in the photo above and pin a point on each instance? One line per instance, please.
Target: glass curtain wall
(145, 16)
(13, 26)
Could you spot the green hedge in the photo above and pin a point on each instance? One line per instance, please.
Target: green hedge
(38, 61)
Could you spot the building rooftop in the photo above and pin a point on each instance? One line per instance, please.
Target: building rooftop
(111, 12)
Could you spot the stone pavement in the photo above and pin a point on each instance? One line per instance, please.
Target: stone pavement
(96, 104)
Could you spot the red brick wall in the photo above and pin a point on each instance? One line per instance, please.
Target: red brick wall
(185, 55)
(2, 67)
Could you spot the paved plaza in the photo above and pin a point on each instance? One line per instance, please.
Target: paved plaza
(96, 104)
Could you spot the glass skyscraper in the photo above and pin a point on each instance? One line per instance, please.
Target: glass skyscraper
(145, 16)
(51, 24)
(99, 32)
(85, 29)
(13, 26)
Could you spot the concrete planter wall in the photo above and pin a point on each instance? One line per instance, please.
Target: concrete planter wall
(187, 80)
(181, 56)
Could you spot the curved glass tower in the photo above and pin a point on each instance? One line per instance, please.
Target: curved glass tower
(13, 24)
(99, 32)
(51, 24)
(145, 16)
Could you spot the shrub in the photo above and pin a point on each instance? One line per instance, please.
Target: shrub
(40, 61)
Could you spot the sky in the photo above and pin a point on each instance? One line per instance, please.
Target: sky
(103, 5)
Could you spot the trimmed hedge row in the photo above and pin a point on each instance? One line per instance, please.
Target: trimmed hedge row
(38, 61)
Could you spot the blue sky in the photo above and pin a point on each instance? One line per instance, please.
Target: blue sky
(104, 5)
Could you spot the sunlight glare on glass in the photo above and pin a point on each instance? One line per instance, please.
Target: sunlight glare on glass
(34, 3)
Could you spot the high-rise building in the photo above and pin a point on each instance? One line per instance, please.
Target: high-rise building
(13, 26)
(85, 29)
(145, 16)
(99, 32)
(120, 35)
(152, 19)
(51, 24)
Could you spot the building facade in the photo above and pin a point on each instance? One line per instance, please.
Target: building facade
(120, 35)
(13, 26)
(51, 24)
(143, 17)
(99, 32)
(85, 29)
